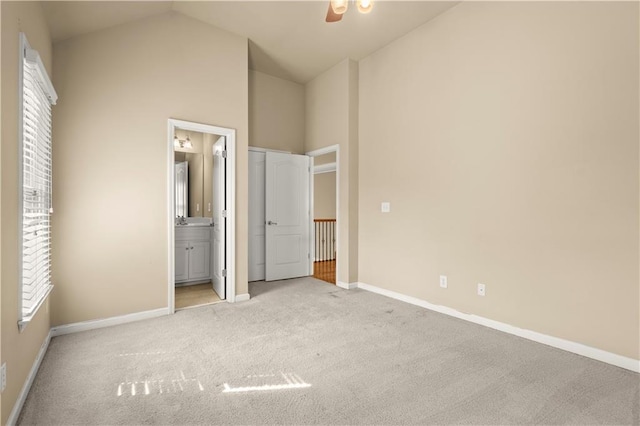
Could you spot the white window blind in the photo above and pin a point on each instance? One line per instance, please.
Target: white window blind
(36, 202)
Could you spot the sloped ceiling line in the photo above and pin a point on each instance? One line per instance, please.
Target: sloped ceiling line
(288, 39)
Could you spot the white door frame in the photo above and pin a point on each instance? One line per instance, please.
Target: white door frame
(317, 153)
(230, 244)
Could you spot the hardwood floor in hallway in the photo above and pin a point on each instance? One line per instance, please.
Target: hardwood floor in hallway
(325, 271)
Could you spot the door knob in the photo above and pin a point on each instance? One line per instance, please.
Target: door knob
(271, 223)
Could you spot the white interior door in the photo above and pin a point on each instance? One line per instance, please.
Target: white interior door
(287, 216)
(256, 216)
(218, 272)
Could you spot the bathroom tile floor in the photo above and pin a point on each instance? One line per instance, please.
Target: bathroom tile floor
(195, 295)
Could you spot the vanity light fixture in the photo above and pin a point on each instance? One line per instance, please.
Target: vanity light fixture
(182, 143)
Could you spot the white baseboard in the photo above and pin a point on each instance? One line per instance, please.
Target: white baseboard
(107, 322)
(346, 286)
(556, 342)
(22, 396)
(242, 297)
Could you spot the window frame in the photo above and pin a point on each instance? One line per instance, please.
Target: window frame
(44, 83)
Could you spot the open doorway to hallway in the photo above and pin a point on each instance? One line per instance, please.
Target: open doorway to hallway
(324, 217)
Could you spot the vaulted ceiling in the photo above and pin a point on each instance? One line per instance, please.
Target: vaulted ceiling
(287, 39)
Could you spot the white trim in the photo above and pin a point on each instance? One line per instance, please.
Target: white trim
(258, 149)
(322, 151)
(171, 236)
(316, 153)
(22, 396)
(24, 321)
(230, 135)
(77, 327)
(324, 168)
(556, 342)
(24, 45)
(231, 218)
(312, 209)
(346, 286)
(242, 297)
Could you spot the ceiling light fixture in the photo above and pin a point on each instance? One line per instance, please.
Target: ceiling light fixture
(364, 6)
(339, 6)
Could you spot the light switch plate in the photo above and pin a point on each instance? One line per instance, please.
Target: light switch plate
(385, 207)
(443, 281)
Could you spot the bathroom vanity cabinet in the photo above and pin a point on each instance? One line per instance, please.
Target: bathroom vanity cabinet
(193, 254)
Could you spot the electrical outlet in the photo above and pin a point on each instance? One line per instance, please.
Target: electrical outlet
(385, 207)
(481, 289)
(3, 377)
(443, 281)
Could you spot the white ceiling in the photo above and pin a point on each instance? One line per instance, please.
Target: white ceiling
(287, 39)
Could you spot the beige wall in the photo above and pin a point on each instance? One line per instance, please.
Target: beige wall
(507, 144)
(276, 113)
(332, 119)
(324, 195)
(110, 236)
(353, 170)
(18, 350)
(324, 159)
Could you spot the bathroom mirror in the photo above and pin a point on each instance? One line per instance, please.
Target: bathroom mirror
(194, 195)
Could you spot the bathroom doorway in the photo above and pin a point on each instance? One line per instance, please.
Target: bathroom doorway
(201, 193)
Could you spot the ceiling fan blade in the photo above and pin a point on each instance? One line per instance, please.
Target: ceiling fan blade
(332, 16)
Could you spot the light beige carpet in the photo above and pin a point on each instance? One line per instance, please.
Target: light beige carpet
(306, 352)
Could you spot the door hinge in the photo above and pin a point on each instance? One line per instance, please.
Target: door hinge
(224, 154)
(224, 272)
(224, 213)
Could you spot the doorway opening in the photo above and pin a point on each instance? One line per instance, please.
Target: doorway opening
(201, 226)
(325, 202)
